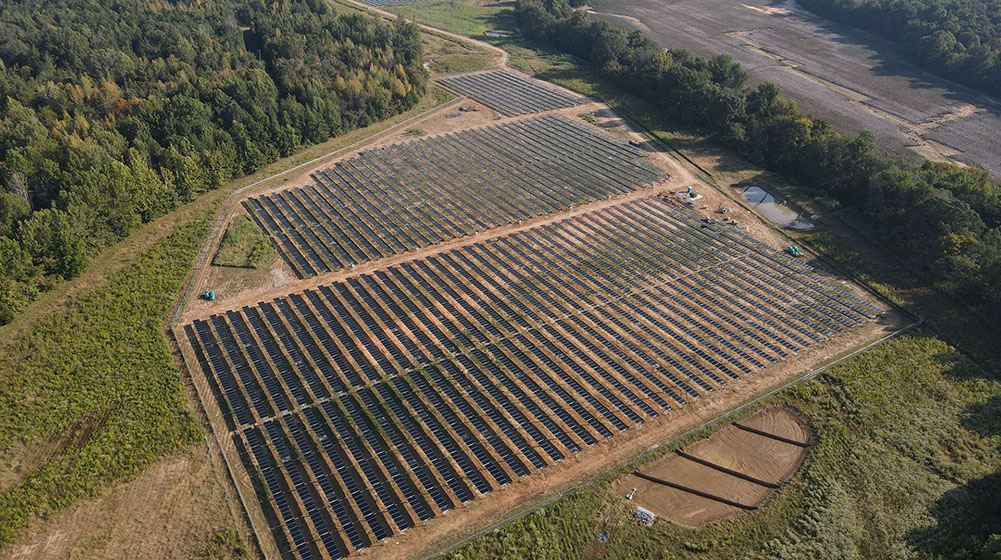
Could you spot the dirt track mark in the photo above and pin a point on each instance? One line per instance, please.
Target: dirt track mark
(771, 11)
(630, 19)
(915, 132)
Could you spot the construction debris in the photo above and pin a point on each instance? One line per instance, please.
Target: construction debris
(644, 515)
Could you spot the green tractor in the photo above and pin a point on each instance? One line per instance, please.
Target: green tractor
(794, 251)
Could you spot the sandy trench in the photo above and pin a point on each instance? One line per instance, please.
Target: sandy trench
(760, 457)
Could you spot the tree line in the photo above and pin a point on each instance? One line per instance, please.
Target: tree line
(112, 113)
(941, 218)
(957, 39)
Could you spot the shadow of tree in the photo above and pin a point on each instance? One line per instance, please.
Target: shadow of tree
(967, 519)
(984, 419)
(888, 59)
(967, 523)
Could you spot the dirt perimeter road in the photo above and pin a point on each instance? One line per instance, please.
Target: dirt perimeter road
(449, 528)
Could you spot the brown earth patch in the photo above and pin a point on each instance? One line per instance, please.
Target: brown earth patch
(733, 471)
(172, 510)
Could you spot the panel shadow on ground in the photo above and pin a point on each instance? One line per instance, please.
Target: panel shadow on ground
(376, 403)
(399, 198)
(511, 93)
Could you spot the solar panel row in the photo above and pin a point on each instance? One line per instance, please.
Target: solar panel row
(510, 93)
(390, 397)
(398, 198)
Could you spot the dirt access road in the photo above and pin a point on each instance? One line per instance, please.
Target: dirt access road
(851, 78)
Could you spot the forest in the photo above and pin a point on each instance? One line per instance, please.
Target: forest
(113, 113)
(940, 219)
(956, 39)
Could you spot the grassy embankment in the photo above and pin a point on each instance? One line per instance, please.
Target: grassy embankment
(90, 393)
(445, 56)
(906, 459)
(458, 16)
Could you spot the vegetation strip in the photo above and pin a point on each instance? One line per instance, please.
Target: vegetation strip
(81, 351)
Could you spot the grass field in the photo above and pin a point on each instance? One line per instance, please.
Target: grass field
(243, 245)
(445, 56)
(459, 16)
(91, 394)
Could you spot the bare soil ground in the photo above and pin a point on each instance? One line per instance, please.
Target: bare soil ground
(673, 504)
(170, 511)
(757, 456)
(779, 422)
(851, 78)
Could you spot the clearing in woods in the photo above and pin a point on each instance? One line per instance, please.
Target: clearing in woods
(408, 393)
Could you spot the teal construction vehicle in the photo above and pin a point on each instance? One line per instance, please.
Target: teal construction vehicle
(209, 295)
(794, 251)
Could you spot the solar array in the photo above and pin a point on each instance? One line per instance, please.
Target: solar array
(367, 406)
(398, 198)
(510, 93)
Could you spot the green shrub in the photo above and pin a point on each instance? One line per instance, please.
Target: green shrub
(244, 245)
